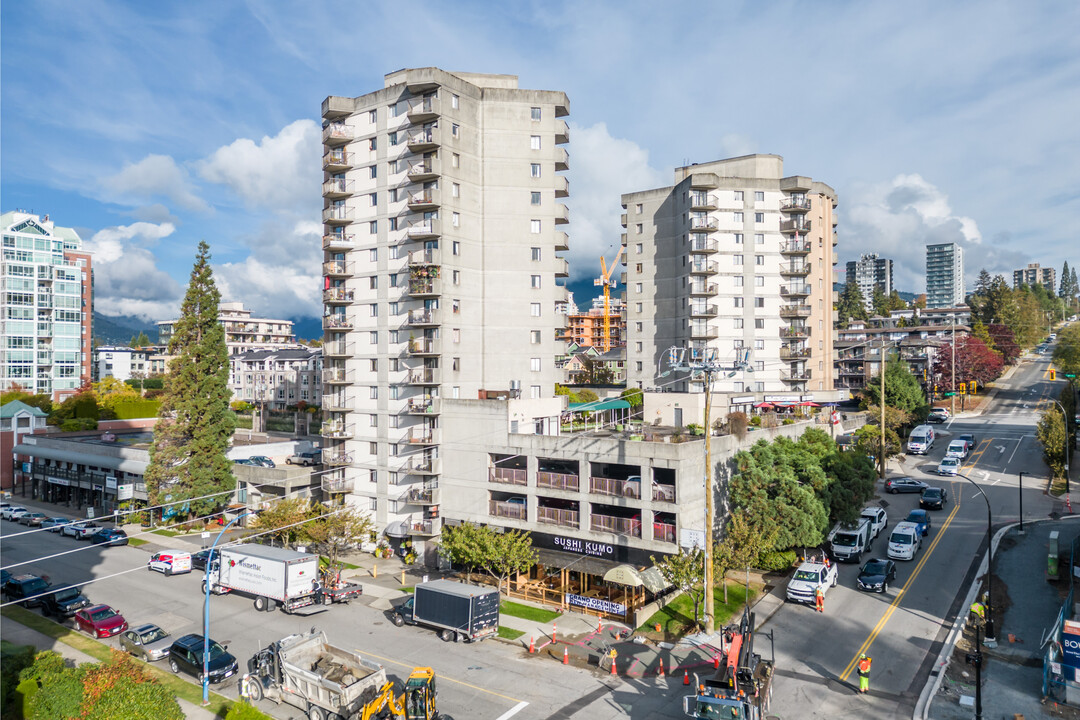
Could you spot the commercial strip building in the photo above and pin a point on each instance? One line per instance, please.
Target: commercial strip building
(1034, 274)
(871, 273)
(47, 306)
(242, 331)
(944, 275)
(734, 259)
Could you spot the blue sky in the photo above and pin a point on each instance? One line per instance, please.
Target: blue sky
(151, 126)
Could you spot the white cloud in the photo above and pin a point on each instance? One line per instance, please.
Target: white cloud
(153, 176)
(127, 280)
(281, 172)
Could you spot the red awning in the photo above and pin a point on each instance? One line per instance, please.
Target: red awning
(763, 405)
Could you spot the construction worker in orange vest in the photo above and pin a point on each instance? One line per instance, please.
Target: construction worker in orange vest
(819, 599)
(864, 674)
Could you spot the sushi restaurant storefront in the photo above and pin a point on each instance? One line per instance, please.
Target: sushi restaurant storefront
(609, 581)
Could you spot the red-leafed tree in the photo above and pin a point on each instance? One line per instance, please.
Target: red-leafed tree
(974, 361)
(1004, 342)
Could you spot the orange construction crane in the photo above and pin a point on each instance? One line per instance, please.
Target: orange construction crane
(606, 281)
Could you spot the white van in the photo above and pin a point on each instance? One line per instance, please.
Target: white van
(921, 440)
(170, 562)
(849, 542)
(904, 541)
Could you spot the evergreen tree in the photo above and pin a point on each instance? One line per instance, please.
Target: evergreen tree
(140, 340)
(191, 437)
(896, 302)
(1065, 286)
(880, 303)
(851, 306)
(1074, 288)
(982, 285)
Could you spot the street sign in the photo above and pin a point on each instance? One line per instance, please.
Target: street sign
(947, 394)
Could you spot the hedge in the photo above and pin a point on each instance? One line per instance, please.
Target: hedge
(134, 409)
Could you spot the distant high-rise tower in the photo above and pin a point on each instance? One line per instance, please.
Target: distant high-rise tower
(944, 275)
(870, 272)
(1033, 274)
(47, 306)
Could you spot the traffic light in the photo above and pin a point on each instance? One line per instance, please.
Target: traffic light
(972, 388)
(1053, 374)
(963, 388)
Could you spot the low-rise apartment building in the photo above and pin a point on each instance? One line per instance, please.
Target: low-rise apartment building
(277, 379)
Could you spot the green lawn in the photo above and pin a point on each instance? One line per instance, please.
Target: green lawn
(136, 542)
(406, 589)
(166, 533)
(510, 633)
(528, 612)
(677, 618)
(99, 651)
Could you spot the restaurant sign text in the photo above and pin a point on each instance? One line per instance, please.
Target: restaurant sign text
(584, 547)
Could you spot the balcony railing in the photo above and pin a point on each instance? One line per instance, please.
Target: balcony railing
(795, 332)
(336, 403)
(663, 493)
(562, 132)
(704, 268)
(663, 532)
(337, 458)
(424, 287)
(795, 247)
(562, 186)
(613, 486)
(515, 511)
(423, 140)
(620, 526)
(558, 481)
(421, 496)
(703, 224)
(425, 528)
(710, 310)
(424, 346)
(558, 516)
(337, 160)
(425, 229)
(428, 256)
(703, 332)
(337, 214)
(795, 268)
(423, 109)
(422, 406)
(337, 133)
(421, 465)
(336, 375)
(699, 245)
(423, 199)
(510, 476)
(562, 159)
(338, 241)
(795, 226)
(797, 376)
(337, 296)
(422, 317)
(793, 353)
(337, 187)
(703, 289)
(423, 376)
(426, 436)
(337, 348)
(794, 290)
(337, 485)
(422, 171)
(795, 204)
(337, 322)
(336, 429)
(337, 267)
(794, 311)
(702, 201)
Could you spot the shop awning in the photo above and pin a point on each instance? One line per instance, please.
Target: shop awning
(624, 575)
(599, 405)
(654, 580)
(557, 559)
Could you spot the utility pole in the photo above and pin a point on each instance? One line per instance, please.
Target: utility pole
(952, 400)
(882, 403)
(1021, 498)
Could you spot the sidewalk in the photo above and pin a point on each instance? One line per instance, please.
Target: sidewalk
(21, 635)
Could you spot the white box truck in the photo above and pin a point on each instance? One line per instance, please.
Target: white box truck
(272, 576)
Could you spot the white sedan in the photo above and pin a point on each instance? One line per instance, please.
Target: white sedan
(949, 466)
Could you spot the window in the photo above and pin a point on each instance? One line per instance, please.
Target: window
(534, 281)
(534, 198)
(738, 217)
(455, 190)
(738, 344)
(637, 366)
(640, 208)
(534, 142)
(738, 238)
(638, 346)
(759, 323)
(738, 280)
(456, 277)
(454, 101)
(638, 287)
(738, 323)
(392, 223)
(455, 160)
(373, 421)
(738, 196)
(759, 217)
(394, 308)
(374, 197)
(534, 113)
(455, 130)
(738, 259)
(455, 335)
(534, 337)
(759, 302)
(534, 391)
(535, 254)
(455, 305)
(759, 387)
(534, 227)
(455, 247)
(394, 336)
(393, 279)
(639, 228)
(374, 310)
(534, 169)
(638, 307)
(373, 227)
(373, 448)
(759, 281)
(637, 327)
(455, 364)
(759, 344)
(534, 309)
(738, 386)
(639, 248)
(455, 219)
(373, 392)
(759, 196)
(373, 171)
(759, 365)
(373, 116)
(392, 138)
(534, 364)
(373, 254)
(759, 259)
(373, 144)
(759, 238)
(373, 282)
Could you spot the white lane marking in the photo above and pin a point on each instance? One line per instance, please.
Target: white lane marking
(1000, 449)
(1007, 462)
(513, 711)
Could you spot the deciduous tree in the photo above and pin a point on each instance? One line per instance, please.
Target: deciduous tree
(686, 571)
(1052, 436)
(740, 547)
(335, 529)
(902, 389)
(284, 520)
(974, 361)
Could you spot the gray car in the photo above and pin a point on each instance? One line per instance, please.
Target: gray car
(146, 641)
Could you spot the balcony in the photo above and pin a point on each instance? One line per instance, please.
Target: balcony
(423, 110)
(423, 318)
(622, 219)
(337, 296)
(337, 161)
(562, 186)
(557, 481)
(426, 230)
(424, 528)
(338, 241)
(663, 493)
(336, 430)
(618, 488)
(423, 201)
(425, 287)
(428, 256)
(629, 527)
(337, 215)
(562, 132)
(700, 289)
(337, 376)
(336, 134)
(663, 532)
(704, 268)
(427, 169)
(795, 247)
(799, 269)
(337, 348)
(562, 241)
(703, 332)
(796, 376)
(704, 245)
(336, 485)
(424, 346)
(421, 496)
(423, 141)
(336, 403)
(336, 322)
(795, 204)
(795, 226)
(794, 290)
(335, 107)
(422, 436)
(562, 214)
(422, 406)
(562, 268)
(420, 465)
(508, 476)
(337, 188)
(514, 511)
(702, 202)
(558, 517)
(703, 311)
(795, 333)
(703, 224)
(336, 458)
(562, 159)
(794, 311)
(787, 353)
(423, 376)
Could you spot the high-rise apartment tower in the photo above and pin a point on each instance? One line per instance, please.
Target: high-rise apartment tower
(870, 273)
(944, 275)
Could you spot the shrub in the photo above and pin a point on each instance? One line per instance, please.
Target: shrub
(694, 429)
(243, 711)
(789, 421)
(77, 424)
(756, 421)
(737, 422)
(140, 408)
(775, 560)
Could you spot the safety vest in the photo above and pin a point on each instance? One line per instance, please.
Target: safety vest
(864, 666)
(818, 591)
(978, 609)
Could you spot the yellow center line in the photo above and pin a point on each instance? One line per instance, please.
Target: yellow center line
(441, 676)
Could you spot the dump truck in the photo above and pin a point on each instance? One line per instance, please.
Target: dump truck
(741, 688)
(317, 678)
(272, 576)
(459, 612)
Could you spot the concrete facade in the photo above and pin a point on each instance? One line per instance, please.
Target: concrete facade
(277, 378)
(122, 363)
(443, 222)
(242, 331)
(1034, 274)
(47, 306)
(735, 258)
(870, 273)
(944, 275)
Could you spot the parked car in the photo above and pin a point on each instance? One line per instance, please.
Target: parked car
(54, 524)
(199, 559)
(263, 461)
(905, 541)
(876, 575)
(921, 518)
(957, 449)
(878, 519)
(904, 485)
(186, 654)
(26, 589)
(32, 519)
(246, 461)
(12, 512)
(109, 536)
(949, 466)
(970, 440)
(313, 457)
(170, 562)
(938, 415)
(933, 498)
(100, 621)
(147, 641)
(63, 602)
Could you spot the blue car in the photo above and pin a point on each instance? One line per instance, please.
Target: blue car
(109, 536)
(921, 518)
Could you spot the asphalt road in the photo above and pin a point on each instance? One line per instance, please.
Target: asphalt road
(902, 630)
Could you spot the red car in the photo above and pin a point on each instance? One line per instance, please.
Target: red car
(100, 621)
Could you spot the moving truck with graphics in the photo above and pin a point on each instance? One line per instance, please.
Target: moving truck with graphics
(459, 612)
(272, 576)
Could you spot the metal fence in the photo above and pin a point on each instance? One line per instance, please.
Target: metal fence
(1053, 686)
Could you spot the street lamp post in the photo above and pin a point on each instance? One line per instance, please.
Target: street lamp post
(990, 636)
(206, 612)
(1021, 499)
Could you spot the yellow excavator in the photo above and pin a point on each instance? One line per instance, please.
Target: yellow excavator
(416, 702)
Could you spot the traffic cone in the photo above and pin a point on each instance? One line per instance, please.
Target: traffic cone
(716, 662)
(661, 671)
(613, 671)
(566, 656)
(599, 625)
(685, 677)
(532, 644)
(554, 628)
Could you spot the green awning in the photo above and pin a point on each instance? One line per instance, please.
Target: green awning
(612, 404)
